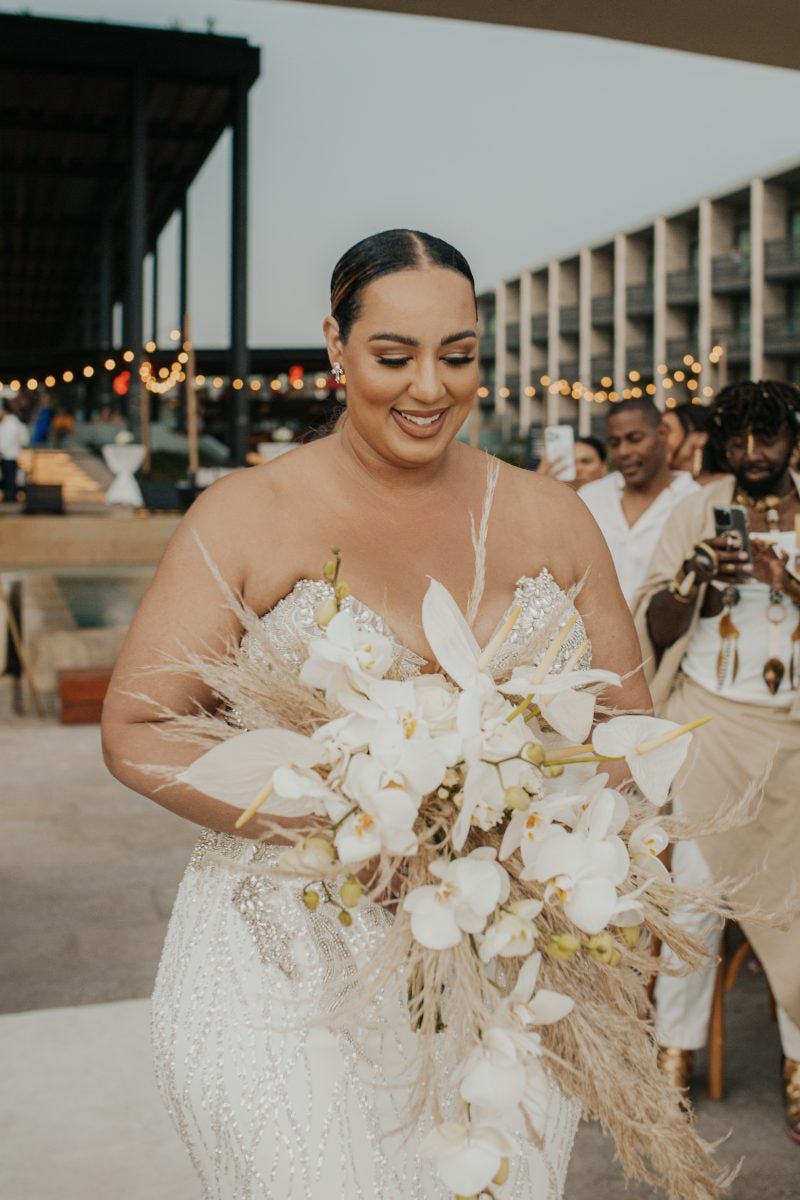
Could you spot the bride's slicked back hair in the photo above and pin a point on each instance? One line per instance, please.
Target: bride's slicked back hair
(383, 254)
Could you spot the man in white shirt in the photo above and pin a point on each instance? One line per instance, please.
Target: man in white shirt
(632, 505)
(13, 437)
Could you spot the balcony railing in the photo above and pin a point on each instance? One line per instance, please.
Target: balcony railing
(640, 358)
(602, 311)
(736, 343)
(682, 287)
(677, 349)
(782, 336)
(569, 320)
(639, 299)
(568, 370)
(512, 336)
(731, 272)
(782, 260)
(512, 383)
(539, 329)
(602, 367)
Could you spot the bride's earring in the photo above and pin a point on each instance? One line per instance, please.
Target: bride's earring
(337, 370)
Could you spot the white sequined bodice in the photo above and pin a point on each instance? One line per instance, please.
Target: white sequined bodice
(270, 1103)
(292, 624)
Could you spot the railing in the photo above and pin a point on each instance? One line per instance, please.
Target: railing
(736, 343)
(569, 320)
(512, 336)
(782, 336)
(639, 299)
(602, 310)
(682, 287)
(731, 272)
(640, 358)
(539, 329)
(782, 259)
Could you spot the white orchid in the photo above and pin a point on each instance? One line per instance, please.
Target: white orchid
(469, 890)
(339, 659)
(645, 844)
(512, 933)
(382, 795)
(578, 872)
(467, 1157)
(437, 702)
(529, 827)
(493, 1078)
(654, 749)
(532, 1007)
(242, 771)
(358, 838)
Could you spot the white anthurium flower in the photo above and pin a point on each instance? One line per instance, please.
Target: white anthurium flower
(565, 707)
(467, 1157)
(338, 661)
(645, 844)
(532, 1007)
(492, 1076)
(437, 702)
(653, 770)
(241, 768)
(384, 797)
(469, 890)
(579, 872)
(512, 933)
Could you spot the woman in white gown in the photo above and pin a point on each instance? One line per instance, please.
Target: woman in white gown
(269, 1102)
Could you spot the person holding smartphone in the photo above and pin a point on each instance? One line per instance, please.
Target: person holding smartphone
(719, 621)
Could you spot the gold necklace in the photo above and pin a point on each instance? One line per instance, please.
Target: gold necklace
(768, 504)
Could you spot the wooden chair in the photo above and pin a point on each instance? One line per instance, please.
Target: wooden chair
(730, 964)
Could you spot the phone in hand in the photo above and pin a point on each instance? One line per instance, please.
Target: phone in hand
(732, 518)
(559, 446)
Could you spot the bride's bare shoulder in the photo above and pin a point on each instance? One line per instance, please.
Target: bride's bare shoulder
(553, 508)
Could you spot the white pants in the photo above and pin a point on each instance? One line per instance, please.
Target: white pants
(683, 1003)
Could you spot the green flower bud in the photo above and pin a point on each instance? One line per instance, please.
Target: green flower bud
(534, 753)
(329, 571)
(345, 918)
(562, 946)
(342, 591)
(350, 892)
(601, 946)
(502, 1173)
(319, 848)
(326, 611)
(517, 797)
(630, 935)
(310, 899)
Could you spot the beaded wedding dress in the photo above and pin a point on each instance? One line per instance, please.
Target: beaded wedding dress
(270, 1103)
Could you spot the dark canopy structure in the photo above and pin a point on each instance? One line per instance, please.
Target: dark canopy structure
(102, 130)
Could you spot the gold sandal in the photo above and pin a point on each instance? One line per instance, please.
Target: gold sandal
(677, 1065)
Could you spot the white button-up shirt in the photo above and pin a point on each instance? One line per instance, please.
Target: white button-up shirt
(632, 546)
(13, 436)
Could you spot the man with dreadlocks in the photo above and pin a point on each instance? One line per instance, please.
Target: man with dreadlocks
(720, 626)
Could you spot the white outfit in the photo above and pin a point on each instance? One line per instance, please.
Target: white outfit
(759, 641)
(632, 546)
(13, 437)
(683, 1003)
(270, 1103)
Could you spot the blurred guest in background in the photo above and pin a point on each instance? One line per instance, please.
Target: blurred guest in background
(688, 445)
(631, 505)
(591, 460)
(13, 438)
(719, 622)
(42, 420)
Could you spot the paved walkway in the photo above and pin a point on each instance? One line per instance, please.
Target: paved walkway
(88, 871)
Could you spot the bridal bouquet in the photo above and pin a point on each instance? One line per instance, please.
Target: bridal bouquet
(523, 884)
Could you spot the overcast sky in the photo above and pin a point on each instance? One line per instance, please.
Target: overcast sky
(515, 145)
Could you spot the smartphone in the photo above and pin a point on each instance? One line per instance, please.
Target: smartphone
(559, 446)
(732, 518)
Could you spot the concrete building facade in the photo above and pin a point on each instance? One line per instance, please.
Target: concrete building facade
(672, 309)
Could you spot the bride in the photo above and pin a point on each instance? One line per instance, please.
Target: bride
(269, 1102)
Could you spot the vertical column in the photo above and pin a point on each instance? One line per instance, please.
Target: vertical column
(585, 338)
(238, 328)
(620, 312)
(154, 297)
(183, 305)
(659, 306)
(704, 300)
(553, 335)
(757, 279)
(137, 233)
(525, 352)
(500, 356)
(105, 305)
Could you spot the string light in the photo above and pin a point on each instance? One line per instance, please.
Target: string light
(50, 381)
(15, 385)
(109, 364)
(150, 347)
(128, 356)
(32, 385)
(88, 371)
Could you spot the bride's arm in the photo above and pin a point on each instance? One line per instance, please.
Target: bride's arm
(182, 611)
